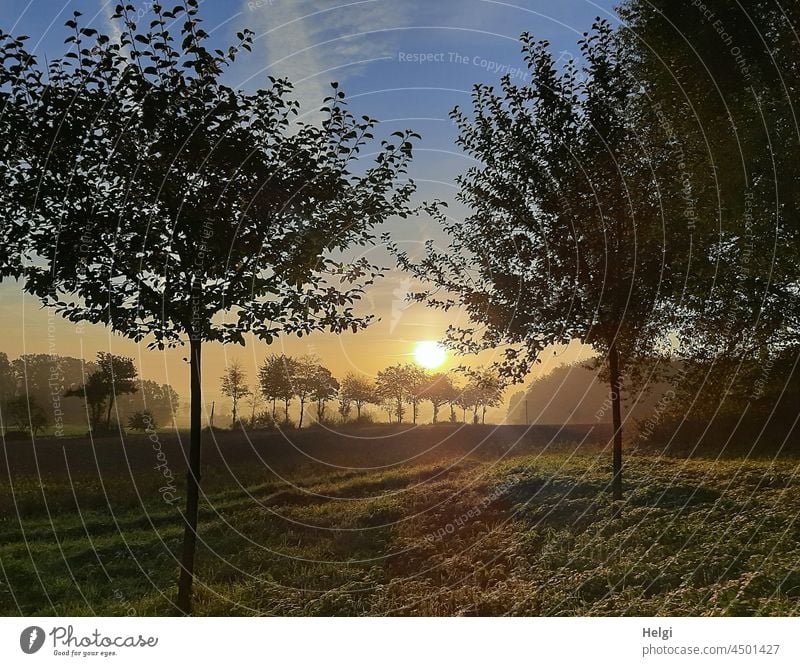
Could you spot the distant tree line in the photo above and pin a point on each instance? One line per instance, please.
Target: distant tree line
(39, 391)
(398, 391)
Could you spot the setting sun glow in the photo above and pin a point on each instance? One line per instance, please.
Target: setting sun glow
(429, 354)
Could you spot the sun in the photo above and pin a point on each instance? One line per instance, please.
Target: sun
(429, 354)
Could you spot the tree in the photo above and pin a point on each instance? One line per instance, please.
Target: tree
(234, 386)
(729, 97)
(325, 388)
(304, 378)
(417, 381)
(114, 375)
(25, 413)
(486, 390)
(400, 384)
(275, 381)
(439, 390)
(345, 408)
(254, 401)
(46, 377)
(94, 393)
(118, 375)
(161, 400)
(565, 239)
(8, 382)
(198, 212)
(468, 400)
(359, 390)
(24, 147)
(143, 421)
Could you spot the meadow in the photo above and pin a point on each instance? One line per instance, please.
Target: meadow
(430, 520)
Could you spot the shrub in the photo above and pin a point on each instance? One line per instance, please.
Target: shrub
(142, 421)
(365, 419)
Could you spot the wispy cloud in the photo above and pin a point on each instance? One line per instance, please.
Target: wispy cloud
(314, 42)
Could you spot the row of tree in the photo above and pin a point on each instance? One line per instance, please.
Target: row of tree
(40, 390)
(283, 379)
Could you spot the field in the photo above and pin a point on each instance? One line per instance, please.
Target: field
(434, 520)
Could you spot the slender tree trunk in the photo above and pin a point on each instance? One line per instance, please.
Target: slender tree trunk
(286, 411)
(358, 410)
(613, 366)
(414, 412)
(435, 411)
(233, 425)
(302, 409)
(274, 409)
(192, 483)
(96, 416)
(110, 406)
(483, 415)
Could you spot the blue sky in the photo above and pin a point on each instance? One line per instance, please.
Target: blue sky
(405, 62)
(369, 46)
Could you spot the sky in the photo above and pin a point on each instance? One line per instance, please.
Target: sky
(404, 62)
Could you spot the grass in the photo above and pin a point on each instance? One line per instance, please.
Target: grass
(443, 521)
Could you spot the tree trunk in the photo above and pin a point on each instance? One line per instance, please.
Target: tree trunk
(110, 406)
(358, 410)
(192, 483)
(233, 425)
(96, 416)
(435, 411)
(302, 409)
(483, 415)
(286, 411)
(616, 466)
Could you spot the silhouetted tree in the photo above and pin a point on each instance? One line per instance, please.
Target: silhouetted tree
(198, 212)
(359, 390)
(25, 413)
(726, 87)
(416, 381)
(254, 401)
(275, 381)
(161, 400)
(401, 384)
(304, 376)
(94, 392)
(325, 388)
(485, 388)
(24, 149)
(8, 383)
(234, 386)
(439, 390)
(565, 239)
(118, 375)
